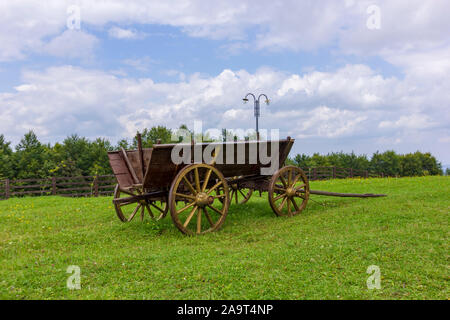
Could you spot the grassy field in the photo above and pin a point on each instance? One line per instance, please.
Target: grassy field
(323, 253)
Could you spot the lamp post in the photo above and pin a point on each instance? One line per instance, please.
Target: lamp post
(257, 111)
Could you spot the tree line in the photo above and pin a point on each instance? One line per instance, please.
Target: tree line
(79, 156)
(389, 162)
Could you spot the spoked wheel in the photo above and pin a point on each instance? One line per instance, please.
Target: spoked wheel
(126, 211)
(239, 196)
(288, 191)
(197, 190)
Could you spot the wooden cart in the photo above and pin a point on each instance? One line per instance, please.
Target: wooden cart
(198, 195)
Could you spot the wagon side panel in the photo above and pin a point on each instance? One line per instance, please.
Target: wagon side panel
(160, 168)
(120, 169)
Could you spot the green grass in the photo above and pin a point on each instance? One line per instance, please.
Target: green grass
(321, 254)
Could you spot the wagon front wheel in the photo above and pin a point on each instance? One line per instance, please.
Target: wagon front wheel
(288, 191)
(195, 199)
(132, 207)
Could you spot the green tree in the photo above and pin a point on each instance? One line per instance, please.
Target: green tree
(32, 159)
(6, 161)
(150, 137)
(387, 162)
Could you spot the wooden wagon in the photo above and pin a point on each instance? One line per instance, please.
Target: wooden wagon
(198, 195)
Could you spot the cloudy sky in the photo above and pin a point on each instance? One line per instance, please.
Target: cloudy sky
(341, 75)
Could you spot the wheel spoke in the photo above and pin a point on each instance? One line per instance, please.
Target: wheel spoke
(279, 197)
(289, 206)
(282, 204)
(155, 206)
(197, 180)
(134, 212)
(189, 185)
(142, 213)
(216, 210)
(188, 196)
(184, 208)
(289, 180)
(236, 196)
(126, 203)
(199, 221)
(296, 179)
(208, 217)
(205, 183)
(190, 216)
(300, 186)
(295, 204)
(283, 181)
(214, 187)
(300, 195)
(279, 189)
(149, 211)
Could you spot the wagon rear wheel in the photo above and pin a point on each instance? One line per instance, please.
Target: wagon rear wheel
(239, 195)
(127, 211)
(199, 188)
(288, 191)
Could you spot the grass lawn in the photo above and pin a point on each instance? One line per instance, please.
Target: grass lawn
(322, 253)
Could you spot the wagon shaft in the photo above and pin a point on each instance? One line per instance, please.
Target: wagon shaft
(338, 194)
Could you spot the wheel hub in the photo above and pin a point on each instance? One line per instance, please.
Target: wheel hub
(290, 192)
(202, 199)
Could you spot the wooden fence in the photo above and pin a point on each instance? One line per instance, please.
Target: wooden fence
(83, 186)
(94, 186)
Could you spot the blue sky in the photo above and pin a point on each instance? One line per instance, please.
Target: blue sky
(341, 75)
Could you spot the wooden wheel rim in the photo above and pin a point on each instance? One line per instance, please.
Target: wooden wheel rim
(288, 186)
(194, 211)
(151, 207)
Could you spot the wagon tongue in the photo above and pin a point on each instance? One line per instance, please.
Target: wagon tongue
(337, 194)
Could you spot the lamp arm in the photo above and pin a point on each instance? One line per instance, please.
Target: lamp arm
(250, 94)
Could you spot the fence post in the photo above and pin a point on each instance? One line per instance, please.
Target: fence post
(351, 172)
(7, 191)
(54, 186)
(314, 174)
(334, 172)
(96, 186)
(366, 174)
(382, 175)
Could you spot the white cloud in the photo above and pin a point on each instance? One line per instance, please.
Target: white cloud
(406, 25)
(331, 106)
(71, 44)
(141, 64)
(413, 121)
(120, 33)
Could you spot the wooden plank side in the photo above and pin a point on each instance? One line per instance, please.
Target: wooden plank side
(161, 170)
(120, 169)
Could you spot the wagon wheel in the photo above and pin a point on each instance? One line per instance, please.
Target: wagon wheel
(288, 191)
(126, 211)
(199, 186)
(239, 196)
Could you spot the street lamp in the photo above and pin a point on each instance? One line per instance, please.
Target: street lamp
(257, 111)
